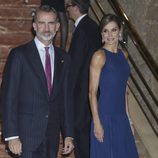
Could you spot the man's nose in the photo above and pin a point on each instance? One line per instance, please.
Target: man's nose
(46, 26)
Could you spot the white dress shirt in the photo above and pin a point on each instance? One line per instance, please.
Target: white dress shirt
(41, 49)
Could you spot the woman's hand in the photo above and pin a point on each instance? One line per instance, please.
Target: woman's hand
(99, 132)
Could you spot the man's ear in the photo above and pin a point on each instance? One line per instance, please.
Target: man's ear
(57, 26)
(34, 26)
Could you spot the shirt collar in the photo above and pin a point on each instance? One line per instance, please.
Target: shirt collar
(40, 45)
(79, 19)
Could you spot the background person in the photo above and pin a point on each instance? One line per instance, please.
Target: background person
(86, 39)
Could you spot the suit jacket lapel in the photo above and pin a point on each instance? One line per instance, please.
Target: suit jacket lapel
(58, 68)
(75, 34)
(81, 22)
(35, 62)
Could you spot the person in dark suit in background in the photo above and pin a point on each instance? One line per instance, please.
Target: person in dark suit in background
(86, 38)
(59, 6)
(34, 93)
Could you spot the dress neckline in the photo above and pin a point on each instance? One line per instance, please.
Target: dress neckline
(118, 51)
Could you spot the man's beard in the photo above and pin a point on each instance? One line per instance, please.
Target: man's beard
(46, 38)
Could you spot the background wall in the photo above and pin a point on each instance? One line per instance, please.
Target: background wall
(144, 16)
(15, 25)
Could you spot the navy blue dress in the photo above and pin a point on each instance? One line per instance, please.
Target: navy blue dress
(118, 137)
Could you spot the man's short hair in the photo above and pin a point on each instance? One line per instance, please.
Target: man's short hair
(83, 5)
(45, 8)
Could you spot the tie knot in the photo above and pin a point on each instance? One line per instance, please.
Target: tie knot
(47, 49)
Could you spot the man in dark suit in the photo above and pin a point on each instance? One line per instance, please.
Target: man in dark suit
(34, 93)
(85, 40)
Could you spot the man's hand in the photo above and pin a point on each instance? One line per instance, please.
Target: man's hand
(68, 146)
(15, 146)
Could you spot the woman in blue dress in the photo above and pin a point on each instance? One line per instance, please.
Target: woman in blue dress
(111, 134)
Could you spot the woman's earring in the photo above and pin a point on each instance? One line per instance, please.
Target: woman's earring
(120, 36)
(103, 38)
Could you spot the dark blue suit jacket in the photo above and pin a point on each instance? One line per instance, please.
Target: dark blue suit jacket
(28, 111)
(85, 41)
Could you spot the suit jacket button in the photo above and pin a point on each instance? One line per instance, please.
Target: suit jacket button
(46, 116)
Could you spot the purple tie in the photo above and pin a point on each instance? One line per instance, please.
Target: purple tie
(48, 69)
